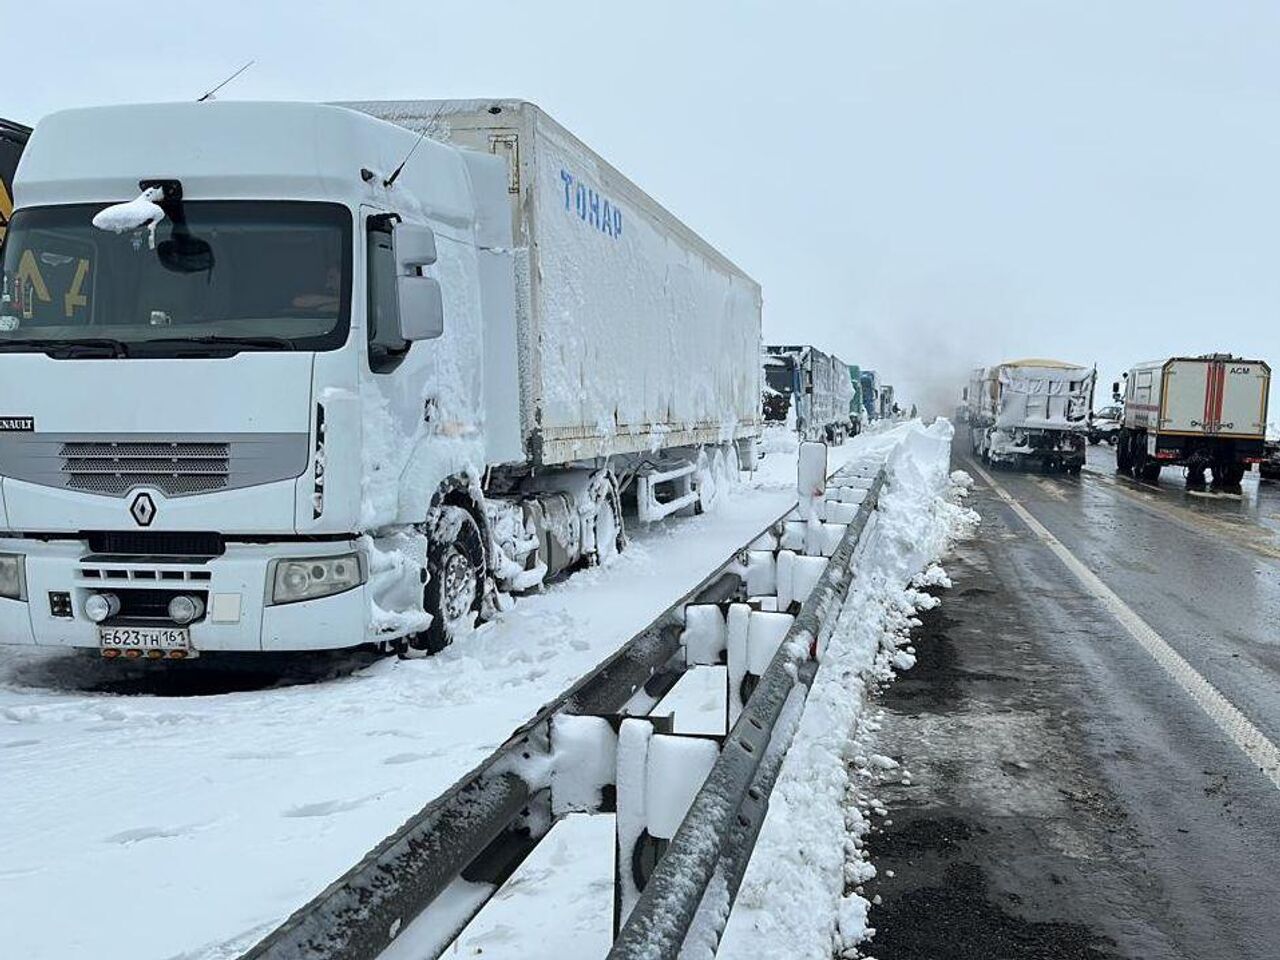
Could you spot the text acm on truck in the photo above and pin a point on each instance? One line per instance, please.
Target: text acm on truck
(283, 376)
(1203, 413)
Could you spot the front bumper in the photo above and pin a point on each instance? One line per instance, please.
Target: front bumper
(237, 616)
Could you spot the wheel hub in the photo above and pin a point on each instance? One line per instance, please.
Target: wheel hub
(458, 591)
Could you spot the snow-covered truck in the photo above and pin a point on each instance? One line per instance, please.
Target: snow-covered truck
(1203, 413)
(13, 137)
(808, 388)
(870, 381)
(857, 412)
(1031, 413)
(888, 409)
(282, 376)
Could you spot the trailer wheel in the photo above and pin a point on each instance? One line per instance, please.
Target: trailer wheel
(1124, 455)
(609, 533)
(1150, 471)
(455, 578)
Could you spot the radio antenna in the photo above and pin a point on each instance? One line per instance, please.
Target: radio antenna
(422, 135)
(208, 95)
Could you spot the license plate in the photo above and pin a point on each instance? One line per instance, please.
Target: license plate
(164, 640)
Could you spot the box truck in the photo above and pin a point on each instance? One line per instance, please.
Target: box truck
(1030, 413)
(1202, 413)
(283, 376)
(13, 137)
(809, 388)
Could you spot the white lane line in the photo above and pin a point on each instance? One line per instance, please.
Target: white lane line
(1219, 709)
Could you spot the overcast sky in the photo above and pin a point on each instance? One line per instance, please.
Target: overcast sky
(920, 187)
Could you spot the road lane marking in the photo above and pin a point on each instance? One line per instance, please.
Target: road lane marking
(1252, 741)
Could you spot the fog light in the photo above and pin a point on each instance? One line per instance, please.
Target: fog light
(101, 606)
(184, 609)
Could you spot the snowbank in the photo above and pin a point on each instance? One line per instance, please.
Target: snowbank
(793, 902)
(252, 801)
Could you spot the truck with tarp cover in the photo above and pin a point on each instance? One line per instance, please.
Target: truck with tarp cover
(290, 376)
(1030, 413)
(808, 388)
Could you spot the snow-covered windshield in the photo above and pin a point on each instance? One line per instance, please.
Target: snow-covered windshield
(218, 276)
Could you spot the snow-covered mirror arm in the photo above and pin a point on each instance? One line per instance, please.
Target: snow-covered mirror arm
(141, 211)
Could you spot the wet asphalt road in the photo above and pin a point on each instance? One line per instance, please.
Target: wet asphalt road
(1066, 799)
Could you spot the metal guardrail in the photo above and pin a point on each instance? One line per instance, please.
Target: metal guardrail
(720, 830)
(356, 916)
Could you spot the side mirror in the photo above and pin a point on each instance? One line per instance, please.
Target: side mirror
(421, 300)
(415, 246)
(1115, 390)
(421, 308)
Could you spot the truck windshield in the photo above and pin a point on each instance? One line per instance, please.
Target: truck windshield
(779, 378)
(219, 277)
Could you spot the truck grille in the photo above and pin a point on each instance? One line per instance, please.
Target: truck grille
(174, 469)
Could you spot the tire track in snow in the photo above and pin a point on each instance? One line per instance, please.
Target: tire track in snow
(1229, 718)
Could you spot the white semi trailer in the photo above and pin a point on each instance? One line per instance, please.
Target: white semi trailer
(1202, 413)
(288, 376)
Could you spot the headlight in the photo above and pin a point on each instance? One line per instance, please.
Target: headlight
(312, 577)
(13, 576)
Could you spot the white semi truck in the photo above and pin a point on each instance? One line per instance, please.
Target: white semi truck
(1030, 413)
(280, 376)
(1203, 413)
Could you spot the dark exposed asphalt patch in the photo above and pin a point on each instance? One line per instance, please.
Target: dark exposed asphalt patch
(958, 919)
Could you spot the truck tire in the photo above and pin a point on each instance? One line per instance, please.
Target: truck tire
(1227, 477)
(455, 579)
(1150, 471)
(609, 533)
(1124, 453)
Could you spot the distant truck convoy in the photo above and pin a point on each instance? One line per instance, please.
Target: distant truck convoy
(284, 376)
(870, 393)
(13, 137)
(803, 383)
(1203, 413)
(1030, 413)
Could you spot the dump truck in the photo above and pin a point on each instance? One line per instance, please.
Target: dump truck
(808, 388)
(13, 137)
(290, 376)
(1205, 413)
(1030, 413)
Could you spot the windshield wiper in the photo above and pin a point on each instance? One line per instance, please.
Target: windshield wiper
(67, 348)
(252, 343)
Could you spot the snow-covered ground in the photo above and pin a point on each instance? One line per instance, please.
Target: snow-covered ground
(135, 827)
(792, 902)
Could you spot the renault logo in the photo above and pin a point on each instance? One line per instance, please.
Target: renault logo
(143, 509)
